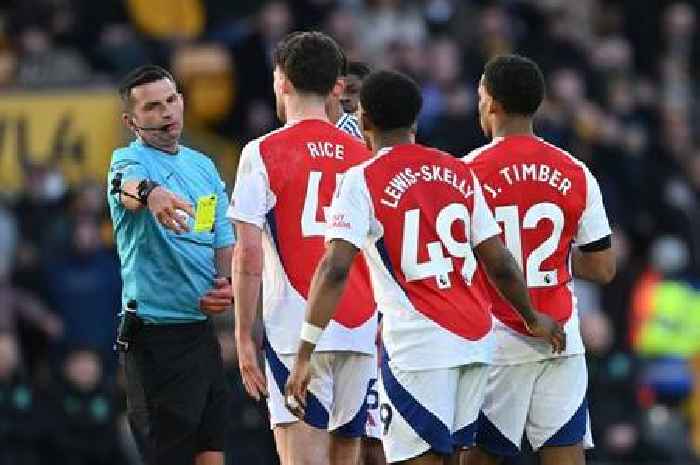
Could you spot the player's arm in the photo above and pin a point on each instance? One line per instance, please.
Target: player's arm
(219, 297)
(249, 205)
(247, 277)
(327, 286)
(503, 270)
(593, 257)
(595, 262)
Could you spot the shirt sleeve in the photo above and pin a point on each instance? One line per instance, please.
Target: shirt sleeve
(251, 198)
(350, 212)
(593, 224)
(126, 168)
(223, 229)
(483, 224)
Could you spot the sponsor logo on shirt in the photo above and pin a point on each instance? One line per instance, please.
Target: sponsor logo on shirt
(338, 221)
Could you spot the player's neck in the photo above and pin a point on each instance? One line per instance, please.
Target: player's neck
(514, 126)
(391, 138)
(334, 112)
(301, 108)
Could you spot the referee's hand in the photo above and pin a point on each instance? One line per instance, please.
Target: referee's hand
(169, 209)
(218, 299)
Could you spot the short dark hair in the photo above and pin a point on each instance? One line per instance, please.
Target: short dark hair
(312, 61)
(142, 75)
(516, 82)
(391, 100)
(359, 69)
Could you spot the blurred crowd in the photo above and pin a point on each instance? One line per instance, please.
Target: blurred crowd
(622, 96)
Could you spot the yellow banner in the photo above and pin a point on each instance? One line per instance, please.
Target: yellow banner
(75, 131)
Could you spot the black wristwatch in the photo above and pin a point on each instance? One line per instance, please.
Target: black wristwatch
(144, 189)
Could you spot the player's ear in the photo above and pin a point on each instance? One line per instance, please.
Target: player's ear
(493, 106)
(367, 124)
(286, 86)
(338, 88)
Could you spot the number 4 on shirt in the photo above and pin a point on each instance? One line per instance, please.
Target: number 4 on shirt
(310, 226)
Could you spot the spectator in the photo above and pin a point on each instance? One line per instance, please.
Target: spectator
(84, 413)
(17, 304)
(20, 425)
(42, 64)
(384, 22)
(84, 288)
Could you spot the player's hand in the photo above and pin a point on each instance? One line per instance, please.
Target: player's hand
(253, 379)
(297, 384)
(549, 330)
(169, 209)
(218, 299)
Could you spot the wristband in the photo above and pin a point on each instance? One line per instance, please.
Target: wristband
(310, 333)
(144, 189)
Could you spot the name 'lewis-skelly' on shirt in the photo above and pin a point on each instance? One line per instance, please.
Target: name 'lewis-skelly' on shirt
(402, 181)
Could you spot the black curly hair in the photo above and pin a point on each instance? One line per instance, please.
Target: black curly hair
(516, 83)
(391, 100)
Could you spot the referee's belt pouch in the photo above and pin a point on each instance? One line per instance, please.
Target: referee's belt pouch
(129, 327)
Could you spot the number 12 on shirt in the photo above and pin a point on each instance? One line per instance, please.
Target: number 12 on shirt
(510, 218)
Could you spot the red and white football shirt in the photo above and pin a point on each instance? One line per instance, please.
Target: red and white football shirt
(416, 213)
(284, 186)
(545, 201)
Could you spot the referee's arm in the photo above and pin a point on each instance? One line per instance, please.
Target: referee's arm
(129, 195)
(224, 255)
(218, 298)
(160, 201)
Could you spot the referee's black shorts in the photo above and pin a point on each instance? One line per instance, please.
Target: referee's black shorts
(177, 396)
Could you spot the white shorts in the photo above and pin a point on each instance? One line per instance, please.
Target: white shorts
(373, 429)
(430, 409)
(546, 400)
(336, 400)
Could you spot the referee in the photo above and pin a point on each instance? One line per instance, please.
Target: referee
(168, 207)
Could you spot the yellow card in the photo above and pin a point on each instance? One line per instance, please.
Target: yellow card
(205, 214)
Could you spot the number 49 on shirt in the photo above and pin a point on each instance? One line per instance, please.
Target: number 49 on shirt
(438, 265)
